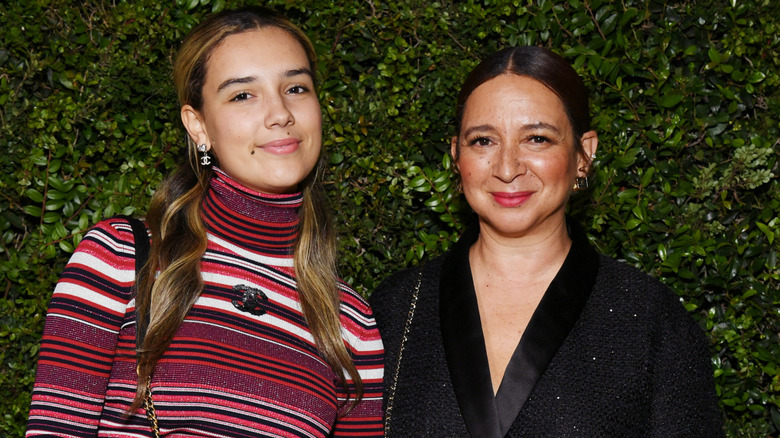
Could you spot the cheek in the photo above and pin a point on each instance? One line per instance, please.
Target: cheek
(225, 126)
(471, 166)
(315, 124)
(466, 174)
(562, 168)
(308, 112)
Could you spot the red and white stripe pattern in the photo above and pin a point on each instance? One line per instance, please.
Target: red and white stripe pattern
(227, 372)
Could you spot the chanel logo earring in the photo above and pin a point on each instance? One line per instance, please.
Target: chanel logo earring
(205, 159)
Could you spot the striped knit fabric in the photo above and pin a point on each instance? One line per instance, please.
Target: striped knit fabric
(243, 363)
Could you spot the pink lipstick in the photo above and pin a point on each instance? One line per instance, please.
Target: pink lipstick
(511, 199)
(283, 146)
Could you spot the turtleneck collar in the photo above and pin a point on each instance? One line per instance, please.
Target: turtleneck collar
(260, 222)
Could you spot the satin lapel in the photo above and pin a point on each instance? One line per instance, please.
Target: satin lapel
(549, 326)
(464, 343)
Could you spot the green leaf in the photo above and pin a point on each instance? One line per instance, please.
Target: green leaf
(670, 100)
(633, 223)
(34, 195)
(417, 181)
(662, 254)
(647, 177)
(218, 5)
(713, 55)
(66, 246)
(32, 210)
(51, 217)
(756, 77)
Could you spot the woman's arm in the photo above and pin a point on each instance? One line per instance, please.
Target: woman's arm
(87, 310)
(684, 401)
(365, 346)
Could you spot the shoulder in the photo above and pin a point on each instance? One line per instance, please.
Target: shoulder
(102, 267)
(621, 285)
(352, 302)
(116, 226)
(391, 299)
(113, 235)
(398, 286)
(108, 247)
(619, 277)
(357, 321)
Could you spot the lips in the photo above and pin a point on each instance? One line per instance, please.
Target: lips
(283, 146)
(511, 199)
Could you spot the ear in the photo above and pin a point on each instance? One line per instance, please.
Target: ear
(195, 126)
(590, 142)
(454, 150)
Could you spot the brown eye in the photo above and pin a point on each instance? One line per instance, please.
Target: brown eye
(297, 89)
(240, 96)
(480, 141)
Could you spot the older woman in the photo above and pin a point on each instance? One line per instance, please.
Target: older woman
(240, 326)
(523, 329)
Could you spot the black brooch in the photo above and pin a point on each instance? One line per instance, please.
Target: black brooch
(253, 299)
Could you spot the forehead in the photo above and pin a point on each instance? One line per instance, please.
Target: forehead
(265, 51)
(512, 96)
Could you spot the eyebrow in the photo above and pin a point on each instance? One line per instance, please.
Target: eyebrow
(478, 128)
(232, 81)
(248, 79)
(528, 127)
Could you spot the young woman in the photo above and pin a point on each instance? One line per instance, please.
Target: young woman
(246, 330)
(522, 328)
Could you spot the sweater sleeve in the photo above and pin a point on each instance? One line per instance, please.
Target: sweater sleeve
(365, 345)
(684, 403)
(80, 335)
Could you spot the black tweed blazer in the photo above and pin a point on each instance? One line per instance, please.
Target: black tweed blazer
(610, 351)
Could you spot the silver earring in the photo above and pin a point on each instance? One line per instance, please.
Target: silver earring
(205, 159)
(580, 183)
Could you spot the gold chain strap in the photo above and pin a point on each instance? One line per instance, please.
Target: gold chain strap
(151, 414)
(410, 316)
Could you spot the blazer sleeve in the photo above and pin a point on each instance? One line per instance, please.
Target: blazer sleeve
(684, 401)
(85, 315)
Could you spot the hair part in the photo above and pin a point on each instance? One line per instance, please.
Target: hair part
(542, 65)
(179, 235)
(191, 64)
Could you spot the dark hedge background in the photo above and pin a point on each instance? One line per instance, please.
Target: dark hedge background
(685, 99)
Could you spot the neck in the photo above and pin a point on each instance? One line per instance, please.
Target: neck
(521, 257)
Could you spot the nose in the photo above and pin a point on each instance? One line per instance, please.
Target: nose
(509, 163)
(277, 113)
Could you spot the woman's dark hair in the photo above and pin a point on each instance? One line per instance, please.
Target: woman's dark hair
(542, 65)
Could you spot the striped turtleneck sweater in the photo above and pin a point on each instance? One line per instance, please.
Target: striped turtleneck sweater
(242, 364)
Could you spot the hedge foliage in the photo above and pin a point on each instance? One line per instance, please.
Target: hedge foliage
(685, 100)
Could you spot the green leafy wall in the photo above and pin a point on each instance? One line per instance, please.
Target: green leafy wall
(685, 100)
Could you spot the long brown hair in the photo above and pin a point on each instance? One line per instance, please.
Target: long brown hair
(179, 235)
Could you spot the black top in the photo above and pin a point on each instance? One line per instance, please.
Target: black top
(609, 351)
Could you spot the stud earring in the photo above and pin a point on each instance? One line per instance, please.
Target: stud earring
(205, 159)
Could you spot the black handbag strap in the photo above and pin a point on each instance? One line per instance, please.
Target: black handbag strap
(142, 246)
(141, 256)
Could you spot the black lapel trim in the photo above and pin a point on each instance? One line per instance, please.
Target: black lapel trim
(464, 344)
(553, 319)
